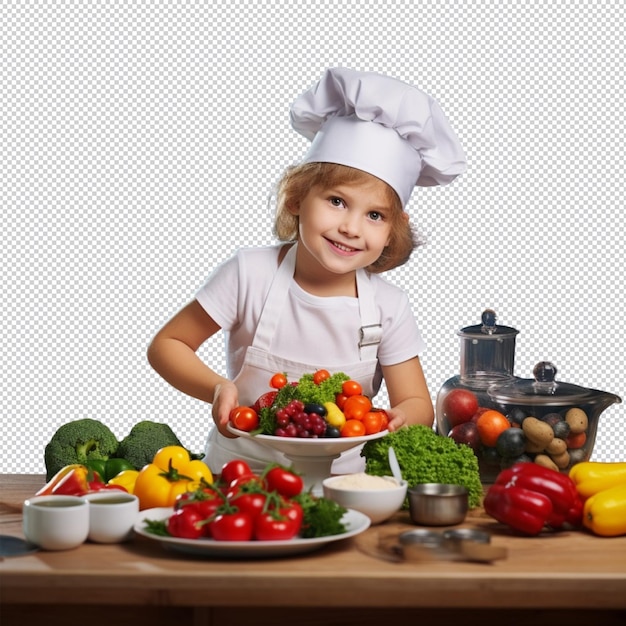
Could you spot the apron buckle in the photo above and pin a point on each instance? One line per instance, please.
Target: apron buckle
(370, 335)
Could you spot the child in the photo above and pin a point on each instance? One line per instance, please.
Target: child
(316, 301)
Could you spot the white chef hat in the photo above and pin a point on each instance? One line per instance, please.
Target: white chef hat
(380, 125)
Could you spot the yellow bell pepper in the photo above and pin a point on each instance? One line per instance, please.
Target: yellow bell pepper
(605, 512)
(126, 479)
(171, 473)
(592, 477)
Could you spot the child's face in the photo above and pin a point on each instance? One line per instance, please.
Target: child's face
(346, 227)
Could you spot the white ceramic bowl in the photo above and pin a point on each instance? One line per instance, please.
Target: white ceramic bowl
(56, 522)
(112, 515)
(378, 504)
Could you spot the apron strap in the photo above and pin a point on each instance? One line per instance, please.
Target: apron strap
(370, 332)
(277, 294)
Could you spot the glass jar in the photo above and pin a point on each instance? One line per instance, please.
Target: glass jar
(487, 358)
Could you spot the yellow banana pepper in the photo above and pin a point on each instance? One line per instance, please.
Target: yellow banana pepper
(605, 512)
(590, 477)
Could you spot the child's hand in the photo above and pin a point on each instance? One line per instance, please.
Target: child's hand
(397, 419)
(225, 399)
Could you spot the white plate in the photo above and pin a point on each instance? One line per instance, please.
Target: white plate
(300, 447)
(354, 521)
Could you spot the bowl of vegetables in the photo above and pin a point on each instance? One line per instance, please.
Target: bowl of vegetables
(311, 421)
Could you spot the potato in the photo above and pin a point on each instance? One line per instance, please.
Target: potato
(577, 420)
(556, 446)
(545, 461)
(561, 460)
(538, 432)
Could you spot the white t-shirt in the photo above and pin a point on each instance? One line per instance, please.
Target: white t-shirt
(323, 331)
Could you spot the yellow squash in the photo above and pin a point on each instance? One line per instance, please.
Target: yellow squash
(605, 512)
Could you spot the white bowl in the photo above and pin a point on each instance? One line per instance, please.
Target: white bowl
(378, 504)
(56, 522)
(112, 515)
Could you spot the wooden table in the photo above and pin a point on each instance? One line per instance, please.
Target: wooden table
(565, 578)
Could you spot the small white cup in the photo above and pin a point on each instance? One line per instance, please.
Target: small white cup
(56, 522)
(112, 515)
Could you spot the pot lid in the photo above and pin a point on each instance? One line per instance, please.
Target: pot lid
(545, 390)
(488, 329)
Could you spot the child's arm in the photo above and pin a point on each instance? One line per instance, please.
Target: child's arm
(172, 353)
(408, 395)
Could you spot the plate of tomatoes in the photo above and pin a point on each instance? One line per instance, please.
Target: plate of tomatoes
(353, 521)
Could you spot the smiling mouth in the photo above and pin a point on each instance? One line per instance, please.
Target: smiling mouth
(341, 247)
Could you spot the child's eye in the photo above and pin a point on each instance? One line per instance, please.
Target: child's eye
(376, 216)
(336, 201)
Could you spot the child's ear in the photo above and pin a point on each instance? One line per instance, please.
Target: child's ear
(294, 208)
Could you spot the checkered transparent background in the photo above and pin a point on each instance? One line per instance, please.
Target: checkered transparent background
(139, 142)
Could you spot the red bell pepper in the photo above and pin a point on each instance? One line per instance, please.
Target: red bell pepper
(521, 509)
(74, 480)
(567, 506)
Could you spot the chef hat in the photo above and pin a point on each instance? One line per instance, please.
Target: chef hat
(380, 125)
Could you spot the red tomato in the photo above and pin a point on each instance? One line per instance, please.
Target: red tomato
(293, 511)
(340, 400)
(459, 405)
(186, 523)
(265, 401)
(235, 469)
(278, 381)
(286, 483)
(250, 483)
(373, 422)
(232, 527)
(351, 388)
(244, 418)
(251, 503)
(353, 428)
(320, 376)
(274, 526)
(384, 417)
(356, 407)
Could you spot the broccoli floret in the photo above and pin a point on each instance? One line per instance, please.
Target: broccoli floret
(78, 442)
(144, 440)
(425, 457)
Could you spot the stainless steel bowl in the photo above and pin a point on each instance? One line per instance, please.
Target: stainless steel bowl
(435, 504)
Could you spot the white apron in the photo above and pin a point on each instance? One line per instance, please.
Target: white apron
(260, 365)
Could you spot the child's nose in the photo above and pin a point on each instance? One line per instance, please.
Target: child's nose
(350, 225)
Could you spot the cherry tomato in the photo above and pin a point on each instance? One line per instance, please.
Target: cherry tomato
(384, 417)
(244, 418)
(251, 503)
(185, 523)
(293, 510)
(250, 483)
(353, 428)
(234, 469)
(351, 388)
(232, 527)
(265, 401)
(286, 483)
(274, 526)
(373, 422)
(340, 400)
(320, 376)
(278, 381)
(356, 407)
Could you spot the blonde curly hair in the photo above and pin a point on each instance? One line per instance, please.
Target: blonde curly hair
(299, 179)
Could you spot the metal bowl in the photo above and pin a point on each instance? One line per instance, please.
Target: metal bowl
(436, 504)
